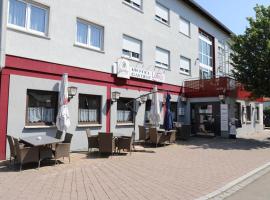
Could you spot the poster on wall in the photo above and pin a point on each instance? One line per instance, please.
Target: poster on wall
(224, 117)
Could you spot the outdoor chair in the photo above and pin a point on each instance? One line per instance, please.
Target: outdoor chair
(106, 142)
(143, 134)
(58, 134)
(172, 136)
(12, 148)
(124, 143)
(63, 149)
(92, 140)
(156, 137)
(25, 154)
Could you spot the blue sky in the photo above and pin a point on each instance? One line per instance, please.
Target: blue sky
(232, 13)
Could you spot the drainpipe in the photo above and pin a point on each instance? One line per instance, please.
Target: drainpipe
(3, 15)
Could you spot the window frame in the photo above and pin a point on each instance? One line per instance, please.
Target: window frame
(127, 109)
(27, 25)
(160, 64)
(184, 19)
(99, 114)
(131, 4)
(159, 18)
(32, 124)
(183, 72)
(140, 58)
(248, 113)
(258, 117)
(90, 24)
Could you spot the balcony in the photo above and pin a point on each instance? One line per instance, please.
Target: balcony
(210, 87)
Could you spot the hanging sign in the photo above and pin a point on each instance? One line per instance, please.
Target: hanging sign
(224, 117)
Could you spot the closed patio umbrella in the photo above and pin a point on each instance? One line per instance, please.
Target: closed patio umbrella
(168, 119)
(63, 119)
(155, 108)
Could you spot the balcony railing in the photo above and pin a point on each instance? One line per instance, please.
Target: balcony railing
(210, 87)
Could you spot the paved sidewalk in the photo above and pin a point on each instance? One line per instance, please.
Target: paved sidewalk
(187, 170)
(258, 190)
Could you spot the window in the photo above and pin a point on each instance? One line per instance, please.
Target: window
(135, 3)
(206, 55)
(28, 16)
(174, 111)
(205, 73)
(248, 113)
(147, 111)
(184, 26)
(221, 59)
(237, 111)
(162, 58)
(132, 48)
(89, 109)
(89, 35)
(185, 66)
(162, 13)
(124, 112)
(41, 107)
(257, 113)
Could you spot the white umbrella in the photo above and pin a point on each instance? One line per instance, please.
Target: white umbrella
(155, 108)
(63, 120)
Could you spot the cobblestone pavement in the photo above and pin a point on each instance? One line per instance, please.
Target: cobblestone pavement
(186, 170)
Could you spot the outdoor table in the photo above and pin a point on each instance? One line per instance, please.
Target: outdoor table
(42, 141)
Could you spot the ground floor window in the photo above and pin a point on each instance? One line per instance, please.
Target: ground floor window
(41, 107)
(174, 111)
(147, 111)
(125, 108)
(237, 111)
(248, 113)
(89, 109)
(257, 113)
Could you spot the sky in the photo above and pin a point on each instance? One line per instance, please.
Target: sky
(232, 13)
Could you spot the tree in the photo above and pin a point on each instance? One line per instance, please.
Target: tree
(251, 54)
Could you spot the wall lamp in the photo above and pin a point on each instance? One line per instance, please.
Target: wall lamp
(115, 96)
(72, 91)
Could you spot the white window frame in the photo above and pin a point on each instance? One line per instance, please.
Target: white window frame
(130, 56)
(159, 18)
(221, 59)
(134, 4)
(182, 70)
(88, 45)
(27, 26)
(160, 64)
(180, 30)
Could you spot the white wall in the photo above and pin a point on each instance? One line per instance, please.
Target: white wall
(117, 19)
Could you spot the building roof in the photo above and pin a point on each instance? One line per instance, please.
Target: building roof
(208, 15)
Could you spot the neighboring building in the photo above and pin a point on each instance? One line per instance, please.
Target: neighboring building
(159, 42)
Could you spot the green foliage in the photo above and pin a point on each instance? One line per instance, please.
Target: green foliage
(251, 54)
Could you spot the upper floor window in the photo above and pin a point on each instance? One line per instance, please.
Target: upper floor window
(41, 107)
(184, 26)
(185, 65)
(90, 35)
(162, 58)
(221, 59)
(134, 3)
(206, 50)
(28, 16)
(162, 13)
(89, 109)
(132, 48)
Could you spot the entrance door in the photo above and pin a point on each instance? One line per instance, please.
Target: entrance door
(205, 119)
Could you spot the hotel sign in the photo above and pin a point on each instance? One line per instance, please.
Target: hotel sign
(125, 71)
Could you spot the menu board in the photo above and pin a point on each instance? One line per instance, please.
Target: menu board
(224, 117)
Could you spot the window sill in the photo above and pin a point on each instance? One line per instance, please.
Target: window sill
(166, 24)
(131, 59)
(188, 36)
(168, 69)
(12, 28)
(125, 124)
(39, 126)
(89, 125)
(88, 48)
(183, 73)
(133, 7)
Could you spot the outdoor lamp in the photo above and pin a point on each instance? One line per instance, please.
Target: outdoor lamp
(72, 91)
(115, 96)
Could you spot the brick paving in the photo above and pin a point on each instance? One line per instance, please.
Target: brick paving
(186, 170)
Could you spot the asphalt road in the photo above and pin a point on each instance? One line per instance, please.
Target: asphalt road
(258, 190)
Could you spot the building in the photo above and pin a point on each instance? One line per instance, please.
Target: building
(160, 42)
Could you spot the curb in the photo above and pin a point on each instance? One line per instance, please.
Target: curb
(237, 184)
